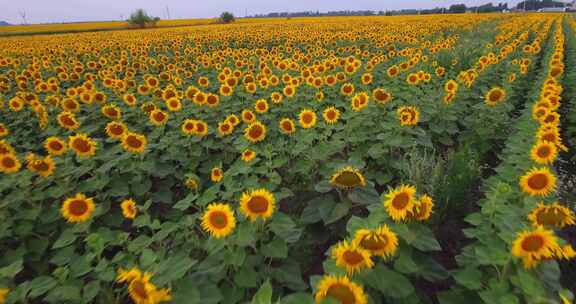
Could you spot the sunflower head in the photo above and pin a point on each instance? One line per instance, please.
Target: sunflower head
(255, 132)
(43, 166)
(538, 182)
(287, 126)
(248, 155)
(216, 174)
(331, 115)
(9, 163)
(129, 210)
(352, 257)
(259, 203)
(248, 116)
(495, 96)
(134, 142)
(55, 146)
(552, 215)
(82, 145)
(381, 96)
(340, 290)
(218, 220)
(6, 148)
(544, 152)
(158, 117)
(380, 242)
(399, 202)
(116, 129)
(423, 208)
(348, 178)
(78, 208)
(408, 116)
(307, 118)
(534, 246)
(261, 106)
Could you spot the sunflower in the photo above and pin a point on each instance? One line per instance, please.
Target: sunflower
(216, 174)
(112, 111)
(67, 120)
(423, 208)
(191, 183)
(43, 166)
(248, 116)
(258, 203)
(340, 290)
(451, 86)
(352, 257)
(255, 132)
(392, 71)
(287, 126)
(248, 155)
(116, 129)
(381, 96)
(276, 97)
(9, 163)
(494, 96)
(348, 178)
(360, 101)
(82, 145)
(399, 202)
(3, 130)
(379, 242)
(16, 104)
(78, 208)
(261, 106)
(554, 215)
(141, 290)
(413, 79)
(158, 117)
(538, 182)
(233, 120)
(347, 89)
(189, 126)
(148, 108)
(544, 152)
(129, 99)
(218, 220)
(408, 116)
(551, 135)
(289, 91)
(6, 148)
(129, 210)
(331, 115)
(173, 104)
(534, 246)
(225, 128)
(134, 142)
(212, 100)
(201, 128)
(307, 118)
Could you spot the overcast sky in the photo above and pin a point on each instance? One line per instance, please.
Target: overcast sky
(41, 11)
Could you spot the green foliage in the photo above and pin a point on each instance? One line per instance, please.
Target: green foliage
(140, 18)
(227, 17)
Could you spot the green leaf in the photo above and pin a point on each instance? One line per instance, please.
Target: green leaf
(246, 277)
(11, 270)
(64, 293)
(390, 283)
(284, 227)
(186, 202)
(173, 268)
(41, 285)
(298, 298)
(469, 277)
(90, 291)
(66, 238)
(530, 284)
(275, 249)
(147, 257)
(264, 294)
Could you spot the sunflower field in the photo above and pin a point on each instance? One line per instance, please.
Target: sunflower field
(351, 160)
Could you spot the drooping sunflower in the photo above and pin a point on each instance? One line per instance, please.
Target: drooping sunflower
(360, 101)
(261, 106)
(380, 242)
(287, 126)
(216, 174)
(55, 146)
(538, 182)
(134, 142)
(348, 178)
(352, 257)
(129, 210)
(158, 117)
(494, 96)
(6, 148)
(552, 215)
(78, 208)
(544, 152)
(112, 111)
(116, 129)
(255, 132)
(399, 202)
(248, 155)
(551, 134)
(259, 203)
(340, 290)
(307, 118)
(422, 209)
(331, 115)
(225, 128)
(192, 183)
(82, 145)
(43, 166)
(381, 96)
(408, 116)
(451, 86)
(534, 246)
(218, 220)
(9, 163)
(3, 130)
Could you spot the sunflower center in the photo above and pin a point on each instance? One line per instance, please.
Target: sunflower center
(159, 116)
(78, 207)
(139, 289)
(258, 204)
(41, 166)
(68, 121)
(133, 141)
(341, 293)
(287, 126)
(255, 132)
(331, 115)
(495, 96)
(8, 162)
(225, 127)
(200, 128)
(352, 257)
(401, 200)
(189, 126)
(218, 219)
(81, 145)
(111, 112)
(538, 181)
(543, 151)
(116, 130)
(550, 217)
(348, 179)
(532, 243)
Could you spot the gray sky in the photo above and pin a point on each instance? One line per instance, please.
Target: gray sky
(40, 11)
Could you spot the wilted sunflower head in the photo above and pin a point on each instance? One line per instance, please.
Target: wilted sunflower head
(348, 178)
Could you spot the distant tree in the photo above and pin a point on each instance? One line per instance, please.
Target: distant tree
(140, 18)
(457, 8)
(227, 17)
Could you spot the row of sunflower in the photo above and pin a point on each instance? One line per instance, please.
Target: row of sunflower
(146, 144)
(521, 197)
